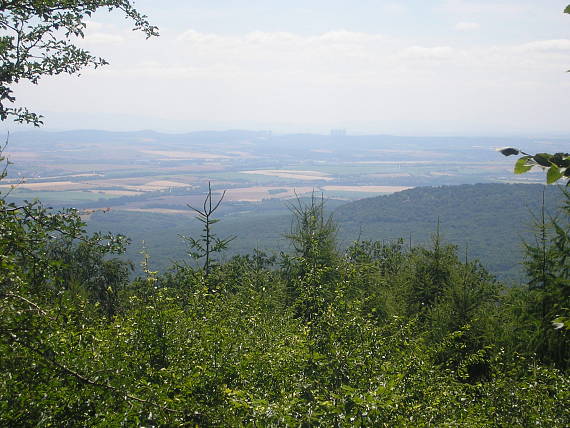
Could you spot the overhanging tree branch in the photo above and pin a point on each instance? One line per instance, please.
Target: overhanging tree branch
(36, 41)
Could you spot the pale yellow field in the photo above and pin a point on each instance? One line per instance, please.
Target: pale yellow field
(508, 168)
(51, 177)
(52, 185)
(294, 174)
(164, 184)
(143, 184)
(55, 177)
(156, 210)
(389, 175)
(24, 156)
(367, 189)
(443, 174)
(122, 182)
(243, 155)
(422, 153)
(179, 155)
(152, 186)
(254, 194)
(130, 186)
(195, 168)
(393, 162)
(117, 192)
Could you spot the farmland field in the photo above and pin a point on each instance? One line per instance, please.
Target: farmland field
(162, 173)
(145, 168)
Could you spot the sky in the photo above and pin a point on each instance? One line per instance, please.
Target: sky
(417, 67)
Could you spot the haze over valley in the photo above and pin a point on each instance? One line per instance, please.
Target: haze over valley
(152, 171)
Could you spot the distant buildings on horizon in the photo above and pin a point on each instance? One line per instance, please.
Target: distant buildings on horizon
(338, 133)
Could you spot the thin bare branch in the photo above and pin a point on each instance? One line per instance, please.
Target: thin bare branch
(29, 302)
(219, 202)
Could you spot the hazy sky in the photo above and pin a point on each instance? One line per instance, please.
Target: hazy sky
(470, 67)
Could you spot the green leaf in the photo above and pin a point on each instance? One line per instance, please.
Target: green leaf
(562, 160)
(554, 174)
(567, 10)
(508, 151)
(522, 166)
(543, 159)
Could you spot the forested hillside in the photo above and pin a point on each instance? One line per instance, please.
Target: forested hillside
(490, 221)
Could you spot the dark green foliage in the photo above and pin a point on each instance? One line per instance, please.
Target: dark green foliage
(489, 219)
(547, 301)
(430, 276)
(208, 243)
(87, 266)
(311, 272)
(313, 233)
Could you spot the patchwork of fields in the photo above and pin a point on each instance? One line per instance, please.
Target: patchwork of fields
(161, 173)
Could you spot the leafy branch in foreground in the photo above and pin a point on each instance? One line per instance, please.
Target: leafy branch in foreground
(557, 165)
(556, 278)
(36, 40)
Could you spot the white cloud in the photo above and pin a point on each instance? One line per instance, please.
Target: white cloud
(348, 37)
(276, 39)
(94, 25)
(467, 26)
(193, 36)
(438, 53)
(474, 7)
(331, 58)
(395, 8)
(558, 45)
(330, 77)
(104, 39)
